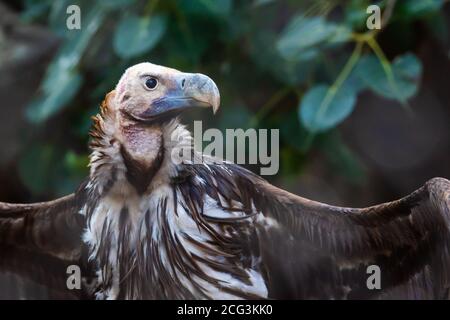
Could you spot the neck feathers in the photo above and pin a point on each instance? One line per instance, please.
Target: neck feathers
(133, 155)
(140, 173)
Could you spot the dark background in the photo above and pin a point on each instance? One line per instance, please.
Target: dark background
(386, 140)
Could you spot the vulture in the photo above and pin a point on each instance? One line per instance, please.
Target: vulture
(144, 226)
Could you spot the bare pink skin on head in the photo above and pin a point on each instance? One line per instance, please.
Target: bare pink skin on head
(137, 112)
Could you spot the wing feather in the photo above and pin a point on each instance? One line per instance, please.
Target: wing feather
(325, 251)
(37, 243)
(310, 250)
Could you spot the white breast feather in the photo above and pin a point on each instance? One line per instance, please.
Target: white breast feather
(109, 211)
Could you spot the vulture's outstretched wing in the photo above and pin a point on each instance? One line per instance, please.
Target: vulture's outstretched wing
(310, 250)
(313, 250)
(38, 242)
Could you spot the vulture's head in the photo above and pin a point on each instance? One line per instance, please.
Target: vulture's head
(135, 117)
(149, 93)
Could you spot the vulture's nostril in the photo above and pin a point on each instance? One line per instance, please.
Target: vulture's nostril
(182, 83)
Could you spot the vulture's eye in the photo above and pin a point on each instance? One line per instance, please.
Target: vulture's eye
(151, 83)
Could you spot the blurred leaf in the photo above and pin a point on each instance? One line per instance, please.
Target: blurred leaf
(304, 33)
(58, 16)
(301, 34)
(115, 4)
(322, 108)
(34, 9)
(136, 35)
(73, 171)
(286, 71)
(60, 87)
(206, 7)
(406, 71)
(75, 162)
(260, 3)
(356, 15)
(354, 81)
(415, 8)
(63, 80)
(235, 26)
(341, 34)
(78, 40)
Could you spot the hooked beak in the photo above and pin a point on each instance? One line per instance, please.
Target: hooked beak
(189, 90)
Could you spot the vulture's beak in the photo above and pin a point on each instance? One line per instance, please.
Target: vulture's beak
(189, 90)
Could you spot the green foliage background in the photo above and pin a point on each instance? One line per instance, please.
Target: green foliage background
(294, 65)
